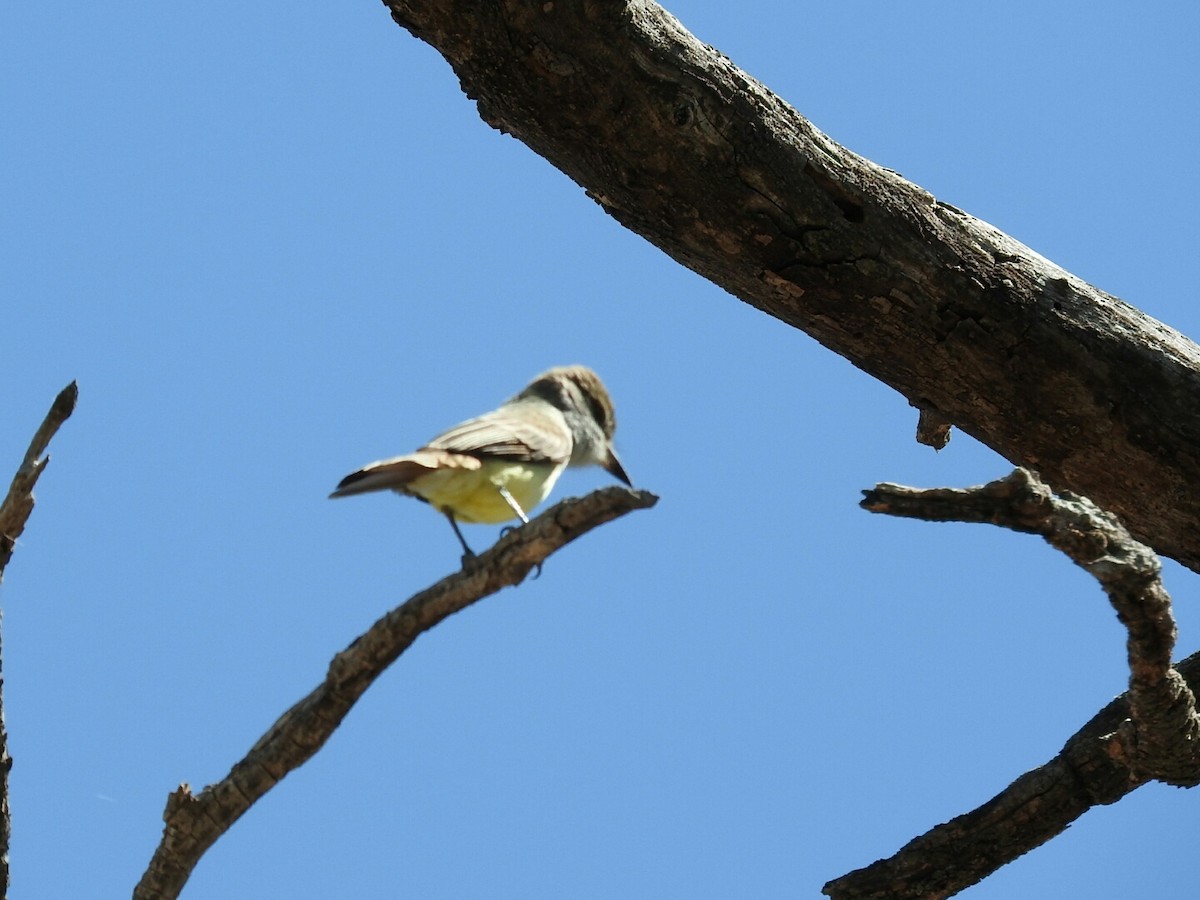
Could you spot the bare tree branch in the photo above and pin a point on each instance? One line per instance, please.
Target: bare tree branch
(195, 821)
(14, 513)
(1151, 732)
(18, 503)
(685, 149)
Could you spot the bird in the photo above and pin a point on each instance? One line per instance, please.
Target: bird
(498, 466)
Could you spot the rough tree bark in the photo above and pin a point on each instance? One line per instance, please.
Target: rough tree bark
(974, 328)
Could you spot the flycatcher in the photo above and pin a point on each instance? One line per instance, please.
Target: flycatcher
(500, 465)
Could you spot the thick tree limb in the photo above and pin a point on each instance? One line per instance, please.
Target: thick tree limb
(14, 513)
(1150, 732)
(195, 821)
(682, 147)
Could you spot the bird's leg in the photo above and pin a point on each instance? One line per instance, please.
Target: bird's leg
(516, 507)
(468, 553)
(512, 501)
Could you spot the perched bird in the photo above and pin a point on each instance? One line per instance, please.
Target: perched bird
(500, 465)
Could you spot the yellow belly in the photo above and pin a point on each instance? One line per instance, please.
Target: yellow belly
(473, 495)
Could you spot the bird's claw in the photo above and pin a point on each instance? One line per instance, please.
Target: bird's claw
(508, 529)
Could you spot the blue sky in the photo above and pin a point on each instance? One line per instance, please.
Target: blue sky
(275, 242)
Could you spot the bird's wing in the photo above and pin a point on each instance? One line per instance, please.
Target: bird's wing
(523, 432)
(519, 431)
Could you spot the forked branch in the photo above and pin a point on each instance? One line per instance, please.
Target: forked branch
(1149, 733)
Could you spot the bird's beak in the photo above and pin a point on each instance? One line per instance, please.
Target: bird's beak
(613, 466)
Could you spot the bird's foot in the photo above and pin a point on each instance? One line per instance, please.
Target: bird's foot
(505, 531)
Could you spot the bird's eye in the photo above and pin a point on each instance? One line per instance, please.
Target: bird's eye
(596, 408)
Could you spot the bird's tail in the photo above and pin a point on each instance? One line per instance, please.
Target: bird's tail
(398, 473)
